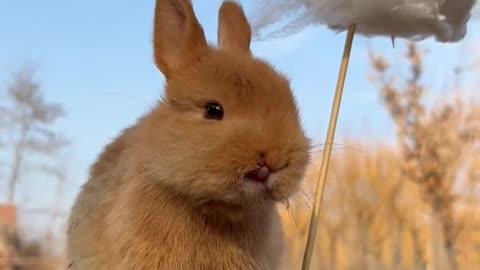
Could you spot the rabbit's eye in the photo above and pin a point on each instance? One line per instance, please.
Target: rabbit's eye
(214, 111)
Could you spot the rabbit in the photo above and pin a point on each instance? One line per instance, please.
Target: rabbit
(195, 183)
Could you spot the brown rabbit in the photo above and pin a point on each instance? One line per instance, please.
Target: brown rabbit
(195, 182)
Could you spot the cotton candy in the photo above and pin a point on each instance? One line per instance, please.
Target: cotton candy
(445, 20)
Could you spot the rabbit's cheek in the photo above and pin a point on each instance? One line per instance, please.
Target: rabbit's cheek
(284, 183)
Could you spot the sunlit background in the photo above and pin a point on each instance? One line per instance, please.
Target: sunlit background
(86, 69)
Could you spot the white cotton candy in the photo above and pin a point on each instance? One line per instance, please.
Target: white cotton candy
(446, 20)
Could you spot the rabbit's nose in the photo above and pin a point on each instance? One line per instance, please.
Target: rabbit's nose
(259, 175)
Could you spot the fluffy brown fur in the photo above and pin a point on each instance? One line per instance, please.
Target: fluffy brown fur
(171, 191)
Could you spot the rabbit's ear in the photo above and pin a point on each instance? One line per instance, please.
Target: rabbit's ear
(234, 32)
(177, 34)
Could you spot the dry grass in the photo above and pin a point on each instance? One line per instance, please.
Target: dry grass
(373, 218)
(410, 206)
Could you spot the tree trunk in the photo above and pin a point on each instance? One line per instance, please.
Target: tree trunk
(419, 259)
(449, 241)
(17, 161)
(444, 254)
(451, 255)
(436, 232)
(396, 248)
(15, 174)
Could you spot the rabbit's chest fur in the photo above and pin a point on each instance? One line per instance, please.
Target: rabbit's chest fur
(130, 225)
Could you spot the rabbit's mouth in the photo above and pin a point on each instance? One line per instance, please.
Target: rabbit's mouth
(266, 184)
(252, 193)
(259, 175)
(263, 172)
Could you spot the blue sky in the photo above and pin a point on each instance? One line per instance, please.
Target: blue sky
(95, 58)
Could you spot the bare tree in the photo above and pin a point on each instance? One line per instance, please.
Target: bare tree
(30, 143)
(28, 120)
(432, 143)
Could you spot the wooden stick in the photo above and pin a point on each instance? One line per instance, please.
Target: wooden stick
(312, 231)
